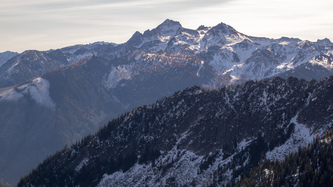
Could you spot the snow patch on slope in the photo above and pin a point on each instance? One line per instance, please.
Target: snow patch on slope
(224, 62)
(9, 71)
(75, 58)
(180, 166)
(184, 171)
(38, 89)
(301, 137)
(10, 95)
(200, 66)
(325, 62)
(117, 74)
(244, 143)
(83, 163)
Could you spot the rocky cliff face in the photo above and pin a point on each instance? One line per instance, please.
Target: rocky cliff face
(196, 136)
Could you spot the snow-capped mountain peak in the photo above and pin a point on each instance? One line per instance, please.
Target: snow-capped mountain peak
(231, 52)
(223, 28)
(169, 28)
(221, 35)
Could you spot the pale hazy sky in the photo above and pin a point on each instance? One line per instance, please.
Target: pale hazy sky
(52, 24)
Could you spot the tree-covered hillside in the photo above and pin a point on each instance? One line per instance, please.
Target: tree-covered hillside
(310, 166)
(199, 137)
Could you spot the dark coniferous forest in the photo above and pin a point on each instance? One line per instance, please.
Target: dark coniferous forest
(310, 166)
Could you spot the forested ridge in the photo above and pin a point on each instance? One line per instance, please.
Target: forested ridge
(207, 137)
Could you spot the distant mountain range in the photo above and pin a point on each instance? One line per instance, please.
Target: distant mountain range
(52, 98)
(5, 56)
